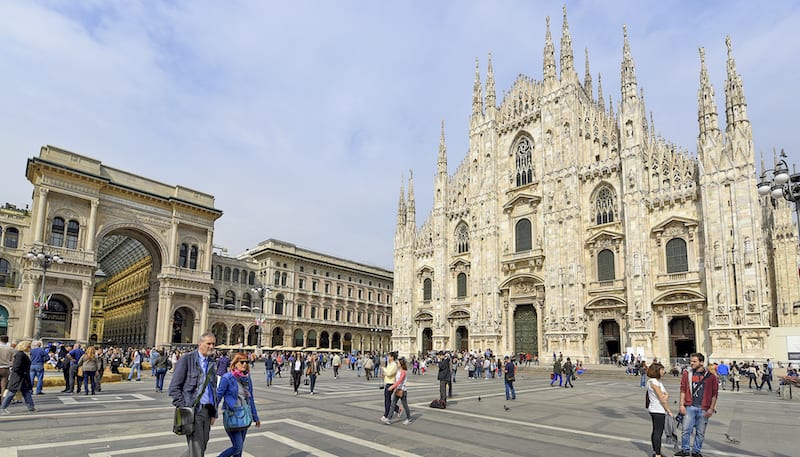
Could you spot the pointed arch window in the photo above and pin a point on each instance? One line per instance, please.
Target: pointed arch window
(522, 238)
(461, 285)
(193, 257)
(604, 206)
(462, 238)
(73, 229)
(426, 289)
(57, 232)
(605, 266)
(524, 161)
(677, 260)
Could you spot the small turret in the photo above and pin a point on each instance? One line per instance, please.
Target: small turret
(587, 79)
(549, 65)
(442, 164)
(735, 104)
(401, 206)
(628, 72)
(477, 98)
(568, 73)
(600, 100)
(411, 208)
(491, 97)
(707, 117)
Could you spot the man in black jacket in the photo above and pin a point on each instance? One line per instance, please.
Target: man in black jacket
(444, 376)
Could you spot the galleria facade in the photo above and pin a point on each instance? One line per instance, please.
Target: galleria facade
(571, 227)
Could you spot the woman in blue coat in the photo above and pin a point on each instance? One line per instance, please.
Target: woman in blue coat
(235, 390)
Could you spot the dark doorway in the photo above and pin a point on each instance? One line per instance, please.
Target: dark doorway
(324, 340)
(526, 334)
(427, 341)
(182, 326)
(462, 339)
(609, 338)
(682, 337)
(336, 340)
(277, 337)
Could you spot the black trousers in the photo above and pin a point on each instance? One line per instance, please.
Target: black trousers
(658, 431)
(198, 440)
(296, 379)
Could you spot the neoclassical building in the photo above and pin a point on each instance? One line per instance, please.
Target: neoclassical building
(314, 301)
(571, 226)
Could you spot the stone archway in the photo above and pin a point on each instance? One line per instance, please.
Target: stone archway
(252, 336)
(610, 342)
(526, 334)
(324, 340)
(57, 322)
(183, 326)
(277, 337)
(682, 337)
(220, 331)
(237, 335)
(462, 339)
(427, 341)
(347, 346)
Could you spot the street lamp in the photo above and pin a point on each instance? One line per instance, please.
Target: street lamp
(44, 259)
(781, 184)
(262, 292)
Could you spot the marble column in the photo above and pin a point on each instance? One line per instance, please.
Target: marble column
(85, 312)
(92, 227)
(173, 245)
(41, 214)
(164, 318)
(26, 331)
(203, 316)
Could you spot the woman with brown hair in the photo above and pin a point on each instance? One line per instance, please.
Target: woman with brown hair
(657, 404)
(19, 379)
(90, 364)
(400, 392)
(235, 391)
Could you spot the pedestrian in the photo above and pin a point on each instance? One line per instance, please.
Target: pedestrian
(90, 365)
(556, 373)
(766, 377)
(235, 391)
(643, 374)
(337, 362)
(297, 367)
(38, 358)
(222, 364)
(6, 360)
(444, 376)
(19, 379)
(657, 404)
(312, 371)
(136, 365)
(736, 376)
(389, 375)
(65, 366)
(698, 400)
(509, 371)
(153, 357)
(73, 356)
(369, 365)
(161, 364)
(269, 366)
(569, 372)
(722, 372)
(194, 384)
(400, 391)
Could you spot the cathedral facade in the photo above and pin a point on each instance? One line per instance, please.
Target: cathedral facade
(573, 227)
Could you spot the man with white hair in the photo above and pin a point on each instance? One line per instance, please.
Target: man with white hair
(38, 358)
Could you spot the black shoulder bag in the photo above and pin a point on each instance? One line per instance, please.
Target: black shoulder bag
(183, 421)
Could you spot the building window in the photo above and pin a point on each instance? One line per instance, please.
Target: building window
(193, 257)
(380, 297)
(349, 316)
(338, 315)
(461, 285)
(183, 255)
(677, 261)
(605, 265)
(227, 276)
(349, 292)
(73, 229)
(326, 313)
(369, 295)
(218, 272)
(302, 269)
(57, 232)
(252, 278)
(462, 238)
(12, 238)
(369, 319)
(6, 276)
(427, 285)
(360, 294)
(277, 278)
(301, 283)
(279, 304)
(522, 232)
(283, 279)
(339, 290)
(604, 204)
(299, 310)
(235, 275)
(524, 162)
(214, 297)
(313, 312)
(360, 317)
(314, 286)
(327, 288)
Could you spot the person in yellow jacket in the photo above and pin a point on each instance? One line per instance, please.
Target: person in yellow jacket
(389, 373)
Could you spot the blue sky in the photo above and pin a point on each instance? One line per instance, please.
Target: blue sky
(300, 117)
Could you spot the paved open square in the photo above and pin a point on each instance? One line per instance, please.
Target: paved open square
(603, 415)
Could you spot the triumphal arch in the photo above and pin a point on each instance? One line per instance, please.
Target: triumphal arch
(151, 241)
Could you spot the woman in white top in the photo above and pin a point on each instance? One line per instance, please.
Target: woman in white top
(400, 392)
(657, 404)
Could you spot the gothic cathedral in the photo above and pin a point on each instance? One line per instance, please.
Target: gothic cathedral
(571, 227)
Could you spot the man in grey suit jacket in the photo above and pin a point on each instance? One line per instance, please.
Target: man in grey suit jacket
(186, 385)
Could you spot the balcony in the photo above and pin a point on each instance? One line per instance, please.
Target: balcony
(606, 287)
(530, 259)
(681, 279)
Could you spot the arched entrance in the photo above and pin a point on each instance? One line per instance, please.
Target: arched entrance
(298, 338)
(277, 337)
(681, 337)
(237, 335)
(336, 341)
(3, 321)
(252, 336)
(427, 341)
(526, 336)
(57, 318)
(462, 339)
(609, 338)
(220, 331)
(182, 326)
(312, 338)
(348, 343)
(324, 340)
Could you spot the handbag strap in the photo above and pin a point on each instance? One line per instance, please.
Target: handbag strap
(203, 389)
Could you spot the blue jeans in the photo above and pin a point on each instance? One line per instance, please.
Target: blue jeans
(37, 372)
(270, 375)
(510, 392)
(237, 443)
(557, 376)
(26, 394)
(88, 376)
(161, 373)
(138, 368)
(694, 419)
(643, 380)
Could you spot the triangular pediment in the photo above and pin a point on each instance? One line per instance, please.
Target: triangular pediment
(423, 316)
(686, 222)
(457, 263)
(605, 303)
(605, 234)
(522, 198)
(458, 314)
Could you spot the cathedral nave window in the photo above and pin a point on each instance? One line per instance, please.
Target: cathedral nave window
(677, 260)
(522, 232)
(604, 205)
(524, 162)
(461, 285)
(605, 266)
(426, 289)
(462, 238)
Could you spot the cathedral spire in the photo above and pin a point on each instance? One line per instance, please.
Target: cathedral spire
(401, 205)
(491, 97)
(706, 106)
(735, 104)
(549, 65)
(628, 73)
(600, 101)
(411, 208)
(587, 79)
(567, 59)
(442, 153)
(477, 99)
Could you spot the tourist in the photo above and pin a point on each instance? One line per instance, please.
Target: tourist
(196, 378)
(389, 374)
(312, 371)
(66, 367)
(19, 379)
(235, 391)
(569, 371)
(38, 358)
(657, 405)
(723, 370)
(161, 365)
(337, 362)
(90, 365)
(399, 391)
(698, 401)
(509, 371)
(297, 367)
(74, 356)
(136, 365)
(556, 373)
(269, 367)
(444, 376)
(369, 365)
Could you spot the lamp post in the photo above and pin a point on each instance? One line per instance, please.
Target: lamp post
(377, 331)
(777, 183)
(44, 259)
(262, 292)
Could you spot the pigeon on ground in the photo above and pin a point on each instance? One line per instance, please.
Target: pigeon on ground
(506, 408)
(731, 439)
(479, 398)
